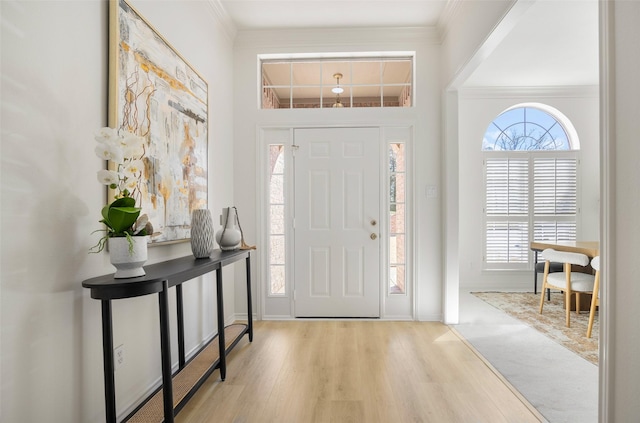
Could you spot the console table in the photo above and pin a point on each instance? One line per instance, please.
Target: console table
(164, 403)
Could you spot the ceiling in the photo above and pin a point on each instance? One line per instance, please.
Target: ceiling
(290, 14)
(554, 43)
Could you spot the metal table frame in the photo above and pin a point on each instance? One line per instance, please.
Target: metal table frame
(158, 279)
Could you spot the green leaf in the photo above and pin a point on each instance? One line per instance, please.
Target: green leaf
(123, 218)
(121, 214)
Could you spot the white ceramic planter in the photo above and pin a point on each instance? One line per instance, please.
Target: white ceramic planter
(128, 264)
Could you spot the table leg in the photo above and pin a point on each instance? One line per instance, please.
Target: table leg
(221, 341)
(180, 313)
(535, 272)
(107, 357)
(165, 344)
(249, 306)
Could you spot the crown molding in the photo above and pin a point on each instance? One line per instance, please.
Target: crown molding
(335, 37)
(221, 17)
(449, 13)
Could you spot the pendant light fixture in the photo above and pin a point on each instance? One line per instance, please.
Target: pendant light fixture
(337, 90)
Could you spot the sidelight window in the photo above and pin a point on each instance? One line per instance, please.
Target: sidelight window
(277, 270)
(397, 218)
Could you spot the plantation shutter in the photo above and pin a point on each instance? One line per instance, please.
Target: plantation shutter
(555, 199)
(532, 197)
(507, 210)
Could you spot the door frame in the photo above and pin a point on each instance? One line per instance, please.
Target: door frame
(281, 306)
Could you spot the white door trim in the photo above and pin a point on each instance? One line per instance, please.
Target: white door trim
(396, 307)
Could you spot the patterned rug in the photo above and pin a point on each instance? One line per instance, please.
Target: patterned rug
(524, 306)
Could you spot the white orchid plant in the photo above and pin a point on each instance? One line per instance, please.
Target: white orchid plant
(121, 217)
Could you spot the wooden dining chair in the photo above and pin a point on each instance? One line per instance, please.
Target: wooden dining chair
(568, 281)
(595, 297)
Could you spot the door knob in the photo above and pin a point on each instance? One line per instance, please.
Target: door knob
(373, 236)
(373, 222)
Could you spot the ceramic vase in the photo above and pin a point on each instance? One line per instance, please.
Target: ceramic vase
(229, 237)
(128, 262)
(202, 234)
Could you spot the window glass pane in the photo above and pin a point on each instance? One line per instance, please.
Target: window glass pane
(276, 251)
(276, 222)
(366, 96)
(396, 158)
(329, 98)
(396, 279)
(397, 219)
(277, 280)
(367, 72)
(306, 97)
(397, 248)
(276, 159)
(400, 187)
(331, 67)
(306, 73)
(276, 189)
(284, 97)
(276, 73)
(396, 71)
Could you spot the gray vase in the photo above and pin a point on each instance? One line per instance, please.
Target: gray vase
(202, 233)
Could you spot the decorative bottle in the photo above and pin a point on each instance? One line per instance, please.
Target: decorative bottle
(229, 236)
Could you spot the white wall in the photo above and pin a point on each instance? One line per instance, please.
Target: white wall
(425, 116)
(54, 96)
(468, 27)
(477, 109)
(620, 368)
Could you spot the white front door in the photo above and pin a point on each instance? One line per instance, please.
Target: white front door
(337, 207)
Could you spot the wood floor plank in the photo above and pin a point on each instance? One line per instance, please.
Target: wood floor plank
(355, 371)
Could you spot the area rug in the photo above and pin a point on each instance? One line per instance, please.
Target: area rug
(524, 306)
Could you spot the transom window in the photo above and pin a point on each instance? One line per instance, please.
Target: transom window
(531, 179)
(336, 82)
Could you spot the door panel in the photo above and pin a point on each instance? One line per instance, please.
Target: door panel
(337, 196)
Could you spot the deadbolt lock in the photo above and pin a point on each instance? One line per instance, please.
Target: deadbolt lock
(373, 222)
(373, 236)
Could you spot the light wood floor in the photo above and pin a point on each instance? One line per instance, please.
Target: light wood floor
(355, 371)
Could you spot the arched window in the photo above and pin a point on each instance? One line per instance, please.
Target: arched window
(530, 127)
(530, 175)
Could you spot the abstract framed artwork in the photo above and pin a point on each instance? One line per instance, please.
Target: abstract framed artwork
(156, 94)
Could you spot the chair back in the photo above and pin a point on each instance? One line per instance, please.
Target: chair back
(565, 257)
(595, 263)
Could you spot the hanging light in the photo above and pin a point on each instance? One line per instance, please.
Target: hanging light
(337, 90)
